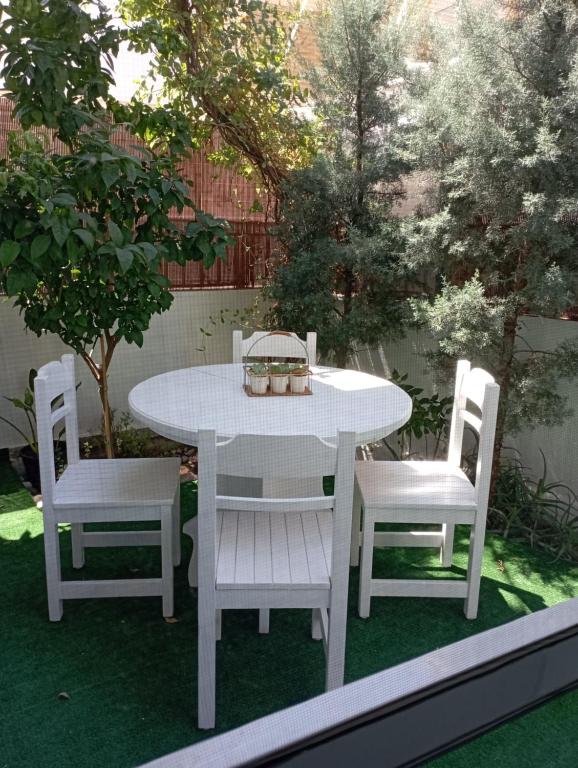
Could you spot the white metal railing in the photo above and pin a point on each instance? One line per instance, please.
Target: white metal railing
(414, 711)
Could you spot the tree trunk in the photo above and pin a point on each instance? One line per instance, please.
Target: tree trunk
(359, 149)
(504, 380)
(103, 391)
(343, 352)
(341, 356)
(100, 373)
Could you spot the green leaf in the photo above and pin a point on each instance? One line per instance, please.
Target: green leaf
(149, 250)
(155, 290)
(115, 233)
(60, 231)
(110, 174)
(203, 243)
(220, 250)
(125, 258)
(209, 259)
(154, 196)
(40, 245)
(193, 229)
(161, 280)
(18, 282)
(23, 228)
(86, 237)
(9, 250)
(63, 199)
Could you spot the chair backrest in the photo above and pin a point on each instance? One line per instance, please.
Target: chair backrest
(275, 457)
(55, 382)
(479, 387)
(277, 344)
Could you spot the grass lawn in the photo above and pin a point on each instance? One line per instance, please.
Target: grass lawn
(114, 685)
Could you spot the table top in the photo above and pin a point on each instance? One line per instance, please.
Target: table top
(179, 403)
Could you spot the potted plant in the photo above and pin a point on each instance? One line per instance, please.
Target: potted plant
(258, 378)
(298, 379)
(279, 377)
(29, 453)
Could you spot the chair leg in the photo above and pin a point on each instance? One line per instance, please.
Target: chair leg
(336, 631)
(53, 573)
(476, 555)
(355, 527)
(176, 514)
(76, 531)
(206, 664)
(264, 621)
(316, 631)
(366, 565)
(167, 561)
(447, 548)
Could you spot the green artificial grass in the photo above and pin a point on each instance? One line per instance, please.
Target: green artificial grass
(114, 685)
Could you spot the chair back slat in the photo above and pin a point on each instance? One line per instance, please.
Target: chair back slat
(249, 504)
(59, 414)
(55, 380)
(265, 457)
(276, 344)
(474, 421)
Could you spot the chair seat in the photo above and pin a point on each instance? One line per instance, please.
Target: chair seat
(414, 486)
(117, 483)
(268, 551)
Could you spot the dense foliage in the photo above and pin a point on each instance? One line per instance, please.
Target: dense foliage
(225, 66)
(497, 130)
(343, 246)
(83, 230)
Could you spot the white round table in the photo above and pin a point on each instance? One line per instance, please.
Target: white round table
(179, 403)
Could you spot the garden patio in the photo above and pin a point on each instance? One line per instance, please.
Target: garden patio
(288, 349)
(113, 684)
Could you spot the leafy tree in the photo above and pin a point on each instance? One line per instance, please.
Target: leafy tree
(497, 128)
(225, 66)
(342, 243)
(82, 232)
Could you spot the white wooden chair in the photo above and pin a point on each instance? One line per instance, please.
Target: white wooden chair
(278, 344)
(273, 553)
(100, 491)
(430, 492)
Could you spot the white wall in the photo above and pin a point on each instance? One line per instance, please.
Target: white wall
(174, 337)
(171, 342)
(560, 444)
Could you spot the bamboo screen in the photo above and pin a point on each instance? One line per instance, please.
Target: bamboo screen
(217, 191)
